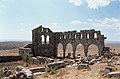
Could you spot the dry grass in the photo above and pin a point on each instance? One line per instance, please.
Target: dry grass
(10, 52)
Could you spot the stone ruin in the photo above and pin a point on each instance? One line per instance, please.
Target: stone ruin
(44, 47)
(45, 42)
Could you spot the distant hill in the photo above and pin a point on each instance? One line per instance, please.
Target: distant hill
(112, 42)
(5, 45)
(12, 44)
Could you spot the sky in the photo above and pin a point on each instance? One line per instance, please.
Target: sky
(19, 17)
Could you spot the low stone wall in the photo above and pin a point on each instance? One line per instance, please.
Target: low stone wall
(24, 53)
(9, 58)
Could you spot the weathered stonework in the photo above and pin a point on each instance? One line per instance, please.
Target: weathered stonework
(25, 52)
(45, 42)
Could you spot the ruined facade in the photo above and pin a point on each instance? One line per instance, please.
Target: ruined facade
(45, 42)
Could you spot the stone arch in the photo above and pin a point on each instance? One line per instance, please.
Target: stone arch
(75, 36)
(48, 39)
(69, 50)
(59, 37)
(42, 29)
(60, 50)
(88, 36)
(43, 39)
(81, 36)
(79, 50)
(65, 36)
(95, 35)
(93, 49)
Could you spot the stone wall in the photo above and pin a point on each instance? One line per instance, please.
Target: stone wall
(45, 42)
(24, 53)
(9, 58)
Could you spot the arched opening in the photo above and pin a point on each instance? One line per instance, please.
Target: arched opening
(46, 30)
(43, 39)
(79, 51)
(95, 35)
(69, 51)
(75, 36)
(70, 36)
(93, 50)
(81, 36)
(65, 36)
(42, 29)
(60, 50)
(47, 39)
(88, 36)
(59, 37)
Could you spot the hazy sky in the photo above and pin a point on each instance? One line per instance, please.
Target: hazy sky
(19, 17)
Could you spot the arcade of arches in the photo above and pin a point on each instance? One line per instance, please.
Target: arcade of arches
(92, 50)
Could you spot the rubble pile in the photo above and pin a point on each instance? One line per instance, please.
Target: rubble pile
(40, 60)
(55, 65)
(20, 73)
(28, 73)
(111, 70)
(83, 66)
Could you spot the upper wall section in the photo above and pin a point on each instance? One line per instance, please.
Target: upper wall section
(89, 36)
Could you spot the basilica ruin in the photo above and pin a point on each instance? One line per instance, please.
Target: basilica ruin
(45, 42)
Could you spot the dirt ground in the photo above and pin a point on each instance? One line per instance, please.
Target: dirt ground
(74, 73)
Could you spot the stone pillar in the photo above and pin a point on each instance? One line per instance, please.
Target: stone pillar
(74, 53)
(86, 50)
(80, 35)
(64, 52)
(91, 35)
(98, 33)
(74, 50)
(100, 49)
(56, 51)
(45, 39)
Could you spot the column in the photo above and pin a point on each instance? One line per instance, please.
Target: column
(86, 50)
(45, 39)
(63, 52)
(74, 50)
(74, 53)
